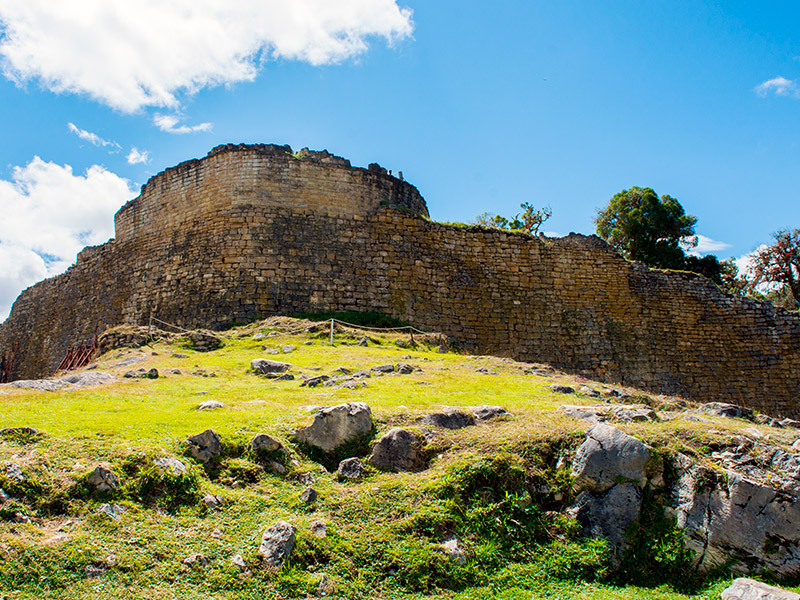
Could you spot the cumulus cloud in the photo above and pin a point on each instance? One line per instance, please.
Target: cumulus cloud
(92, 138)
(168, 123)
(132, 54)
(704, 245)
(780, 86)
(136, 156)
(50, 214)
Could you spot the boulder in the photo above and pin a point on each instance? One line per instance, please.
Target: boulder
(277, 544)
(196, 561)
(351, 468)
(562, 389)
(167, 464)
(212, 501)
(405, 369)
(449, 418)
(205, 446)
(383, 369)
(731, 516)
(86, 379)
(489, 412)
(266, 366)
(723, 409)
(608, 515)
(609, 456)
(748, 589)
(309, 495)
(265, 443)
(314, 381)
(142, 374)
(103, 479)
(112, 511)
(399, 450)
(334, 426)
(210, 405)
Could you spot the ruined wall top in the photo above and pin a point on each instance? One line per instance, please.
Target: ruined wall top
(265, 176)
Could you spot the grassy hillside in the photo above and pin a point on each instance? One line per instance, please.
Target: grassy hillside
(496, 486)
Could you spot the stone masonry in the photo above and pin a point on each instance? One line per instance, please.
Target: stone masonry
(251, 231)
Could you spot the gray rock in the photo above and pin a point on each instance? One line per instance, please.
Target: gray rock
(265, 443)
(238, 561)
(351, 468)
(265, 366)
(285, 377)
(288, 348)
(562, 389)
(277, 544)
(3, 497)
(277, 467)
(723, 409)
(212, 501)
(405, 369)
(633, 414)
(790, 423)
(318, 528)
(588, 391)
(796, 445)
(488, 412)
(113, 511)
(196, 560)
(142, 374)
(383, 369)
(309, 495)
(609, 515)
(258, 336)
(334, 426)
(449, 418)
(103, 479)
(210, 405)
(167, 464)
(44, 385)
(179, 355)
(14, 472)
(363, 341)
(205, 446)
(607, 457)
(748, 589)
(590, 414)
(454, 550)
(87, 379)
(94, 571)
(399, 450)
(732, 517)
(314, 381)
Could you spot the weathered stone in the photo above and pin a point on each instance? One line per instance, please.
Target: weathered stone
(749, 589)
(335, 426)
(266, 366)
(449, 418)
(314, 381)
(609, 515)
(88, 379)
(142, 374)
(167, 464)
(351, 468)
(3, 497)
(113, 511)
(723, 409)
(277, 544)
(309, 495)
(14, 472)
(196, 560)
(794, 424)
(607, 457)
(103, 479)
(399, 450)
(318, 528)
(633, 414)
(210, 405)
(404, 369)
(263, 442)
(562, 389)
(454, 550)
(205, 446)
(489, 412)
(383, 369)
(288, 348)
(212, 501)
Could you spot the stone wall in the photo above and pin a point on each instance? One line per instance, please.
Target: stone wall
(252, 231)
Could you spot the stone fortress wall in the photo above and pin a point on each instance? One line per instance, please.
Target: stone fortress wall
(251, 231)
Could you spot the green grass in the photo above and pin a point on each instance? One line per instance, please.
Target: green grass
(383, 533)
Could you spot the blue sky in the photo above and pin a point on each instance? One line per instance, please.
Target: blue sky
(483, 106)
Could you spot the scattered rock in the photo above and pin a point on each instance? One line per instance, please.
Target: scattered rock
(265, 443)
(14, 472)
(309, 495)
(796, 445)
(179, 355)
(383, 369)
(196, 561)
(113, 511)
(258, 336)
(454, 550)
(203, 341)
(334, 426)
(210, 405)
(363, 341)
(205, 446)
(285, 377)
(399, 450)
(142, 374)
(748, 589)
(277, 544)
(588, 391)
(562, 389)
(167, 464)
(632, 414)
(318, 528)
(212, 501)
(288, 348)
(276, 467)
(87, 379)
(405, 369)
(590, 414)
(790, 423)
(722, 409)
(265, 366)
(238, 561)
(43, 385)
(103, 479)
(94, 571)
(326, 586)
(351, 468)
(3, 497)
(488, 412)
(314, 381)
(174, 371)
(609, 456)
(449, 418)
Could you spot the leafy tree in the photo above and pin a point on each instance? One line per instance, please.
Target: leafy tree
(733, 281)
(647, 228)
(528, 221)
(780, 263)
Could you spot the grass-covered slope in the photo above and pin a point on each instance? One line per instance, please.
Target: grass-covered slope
(499, 486)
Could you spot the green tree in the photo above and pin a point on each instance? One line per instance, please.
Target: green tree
(647, 228)
(528, 221)
(779, 263)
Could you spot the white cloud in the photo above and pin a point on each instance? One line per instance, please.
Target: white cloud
(49, 216)
(92, 138)
(136, 156)
(704, 245)
(130, 54)
(168, 123)
(780, 86)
